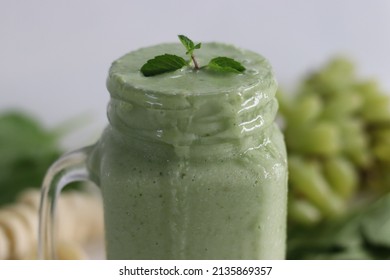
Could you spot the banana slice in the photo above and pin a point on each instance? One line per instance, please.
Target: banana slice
(70, 251)
(5, 246)
(29, 217)
(15, 230)
(30, 197)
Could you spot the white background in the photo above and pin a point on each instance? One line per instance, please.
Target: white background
(292, 270)
(54, 55)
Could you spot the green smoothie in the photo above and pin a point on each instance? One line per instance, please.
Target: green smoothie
(192, 165)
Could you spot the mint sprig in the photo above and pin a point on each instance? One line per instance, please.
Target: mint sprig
(191, 47)
(169, 62)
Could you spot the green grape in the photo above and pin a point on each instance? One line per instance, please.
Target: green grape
(301, 111)
(334, 78)
(382, 152)
(341, 175)
(306, 178)
(381, 144)
(307, 109)
(342, 106)
(355, 141)
(303, 212)
(367, 88)
(322, 138)
(377, 109)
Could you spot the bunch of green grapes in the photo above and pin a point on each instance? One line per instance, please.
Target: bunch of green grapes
(337, 132)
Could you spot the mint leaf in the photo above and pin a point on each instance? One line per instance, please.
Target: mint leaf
(162, 64)
(226, 64)
(187, 43)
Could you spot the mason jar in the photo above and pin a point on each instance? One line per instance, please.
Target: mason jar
(191, 165)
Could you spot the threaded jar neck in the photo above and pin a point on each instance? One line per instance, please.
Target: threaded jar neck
(188, 107)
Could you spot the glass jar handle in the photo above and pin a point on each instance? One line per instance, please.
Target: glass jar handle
(69, 168)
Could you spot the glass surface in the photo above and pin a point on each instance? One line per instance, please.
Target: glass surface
(191, 166)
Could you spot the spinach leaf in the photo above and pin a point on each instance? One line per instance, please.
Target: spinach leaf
(26, 151)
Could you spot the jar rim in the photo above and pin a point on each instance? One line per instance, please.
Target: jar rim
(125, 79)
